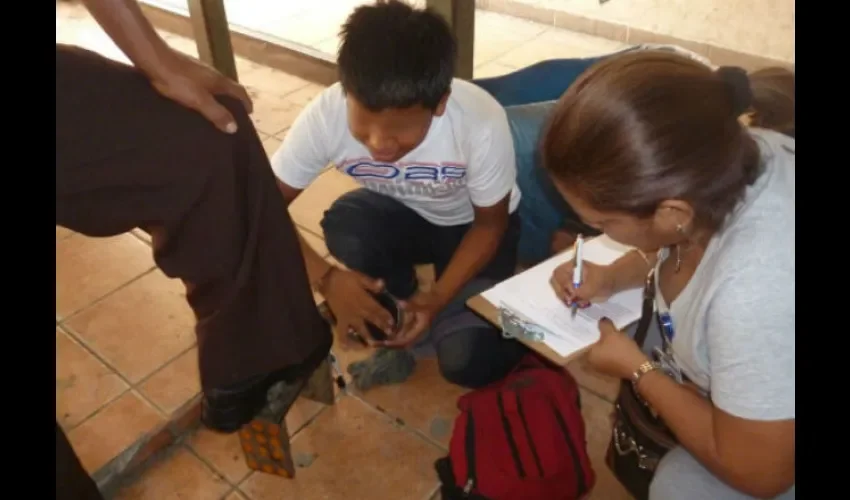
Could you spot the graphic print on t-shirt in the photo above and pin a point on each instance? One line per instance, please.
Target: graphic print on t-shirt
(407, 179)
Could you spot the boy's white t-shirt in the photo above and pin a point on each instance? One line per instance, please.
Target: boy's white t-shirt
(467, 157)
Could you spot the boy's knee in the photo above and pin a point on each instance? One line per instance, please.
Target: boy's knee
(475, 356)
(348, 234)
(456, 367)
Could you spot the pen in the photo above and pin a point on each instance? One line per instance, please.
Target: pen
(578, 261)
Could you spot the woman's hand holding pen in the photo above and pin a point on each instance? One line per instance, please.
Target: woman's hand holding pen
(597, 283)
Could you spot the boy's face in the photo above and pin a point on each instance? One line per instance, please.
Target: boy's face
(391, 133)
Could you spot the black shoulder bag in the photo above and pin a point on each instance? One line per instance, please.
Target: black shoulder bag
(639, 439)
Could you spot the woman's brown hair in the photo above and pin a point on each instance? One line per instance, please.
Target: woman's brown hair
(643, 127)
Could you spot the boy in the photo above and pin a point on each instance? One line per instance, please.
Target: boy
(436, 161)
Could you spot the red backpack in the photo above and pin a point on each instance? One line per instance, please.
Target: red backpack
(521, 438)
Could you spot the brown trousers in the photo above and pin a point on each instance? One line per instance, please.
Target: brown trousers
(127, 157)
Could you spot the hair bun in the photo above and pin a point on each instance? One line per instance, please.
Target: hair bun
(738, 82)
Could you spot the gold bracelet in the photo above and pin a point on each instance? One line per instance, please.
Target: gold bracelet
(643, 369)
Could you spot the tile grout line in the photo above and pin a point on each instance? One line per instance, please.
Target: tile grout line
(185, 444)
(400, 422)
(130, 386)
(74, 336)
(159, 369)
(107, 294)
(140, 238)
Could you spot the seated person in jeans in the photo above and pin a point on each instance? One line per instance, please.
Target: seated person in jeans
(436, 161)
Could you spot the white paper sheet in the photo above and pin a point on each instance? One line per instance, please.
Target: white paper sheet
(530, 294)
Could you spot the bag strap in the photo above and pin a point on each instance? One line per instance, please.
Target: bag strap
(648, 309)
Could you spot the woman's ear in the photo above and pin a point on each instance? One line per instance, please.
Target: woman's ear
(673, 217)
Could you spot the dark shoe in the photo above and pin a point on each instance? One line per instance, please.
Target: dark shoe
(227, 409)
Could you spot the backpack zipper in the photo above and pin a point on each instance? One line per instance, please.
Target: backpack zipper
(470, 454)
(467, 489)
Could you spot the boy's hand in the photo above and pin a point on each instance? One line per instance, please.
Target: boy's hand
(419, 312)
(348, 296)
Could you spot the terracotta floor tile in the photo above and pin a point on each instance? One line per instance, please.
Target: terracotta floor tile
(177, 476)
(261, 80)
(222, 452)
(139, 328)
(83, 383)
(353, 452)
(271, 144)
(302, 412)
(62, 233)
(274, 113)
(308, 209)
(110, 431)
(346, 357)
(597, 413)
(89, 268)
(602, 385)
(236, 495)
(305, 95)
(142, 235)
(425, 401)
(175, 384)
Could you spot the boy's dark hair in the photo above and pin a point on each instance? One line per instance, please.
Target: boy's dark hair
(395, 56)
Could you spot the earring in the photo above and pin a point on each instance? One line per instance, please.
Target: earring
(680, 230)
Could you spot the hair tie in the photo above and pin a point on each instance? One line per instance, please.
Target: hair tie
(738, 82)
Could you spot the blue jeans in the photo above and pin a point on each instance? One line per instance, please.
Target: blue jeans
(529, 95)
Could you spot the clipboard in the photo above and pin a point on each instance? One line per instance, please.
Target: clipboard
(519, 328)
(514, 325)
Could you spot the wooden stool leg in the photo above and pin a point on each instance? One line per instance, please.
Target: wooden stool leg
(320, 386)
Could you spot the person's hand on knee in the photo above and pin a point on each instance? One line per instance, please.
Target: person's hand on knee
(193, 84)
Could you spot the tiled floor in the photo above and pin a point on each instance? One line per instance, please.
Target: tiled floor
(126, 360)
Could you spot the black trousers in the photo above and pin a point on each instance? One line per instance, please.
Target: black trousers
(383, 238)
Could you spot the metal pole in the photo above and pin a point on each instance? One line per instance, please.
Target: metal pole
(460, 15)
(212, 35)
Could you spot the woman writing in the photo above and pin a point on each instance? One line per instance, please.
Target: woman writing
(647, 147)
